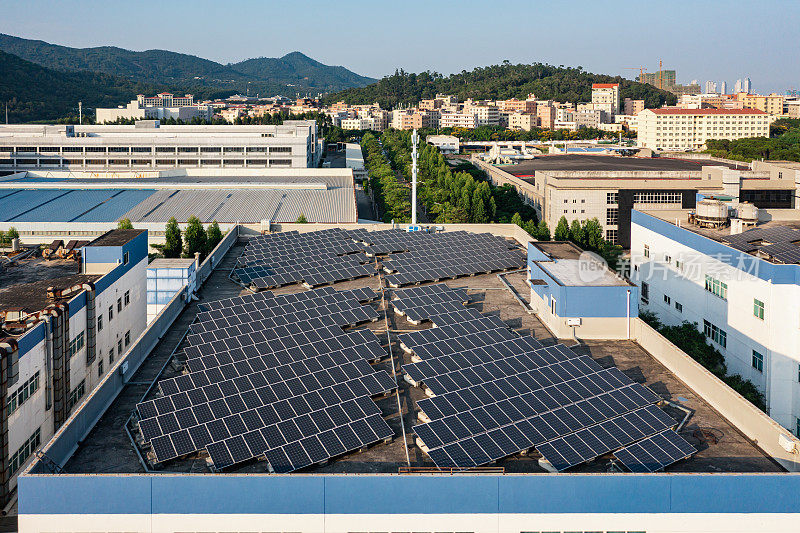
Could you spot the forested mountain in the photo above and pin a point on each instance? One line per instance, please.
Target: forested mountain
(286, 75)
(36, 93)
(498, 82)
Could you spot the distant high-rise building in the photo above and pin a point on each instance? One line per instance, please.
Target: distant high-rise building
(695, 82)
(747, 86)
(724, 88)
(711, 87)
(737, 87)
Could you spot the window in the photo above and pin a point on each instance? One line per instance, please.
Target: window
(22, 393)
(758, 361)
(645, 292)
(119, 346)
(715, 334)
(110, 356)
(76, 394)
(679, 307)
(657, 198)
(127, 298)
(612, 216)
(76, 344)
(99, 322)
(126, 257)
(25, 451)
(758, 309)
(679, 265)
(612, 236)
(110, 313)
(127, 338)
(668, 259)
(119, 305)
(667, 300)
(646, 250)
(716, 287)
(797, 428)
(100, 367)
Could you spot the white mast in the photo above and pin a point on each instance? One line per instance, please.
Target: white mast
(414, 138)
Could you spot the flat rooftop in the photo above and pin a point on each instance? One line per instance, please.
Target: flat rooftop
(117, 237)
(722, 448)
(782, 218)
(24, 284)
(571, 267)
(607, 162)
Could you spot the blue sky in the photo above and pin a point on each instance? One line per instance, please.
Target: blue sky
(700, 39)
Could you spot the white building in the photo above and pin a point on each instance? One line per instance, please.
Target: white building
(160, 107)
(150, 145)
(358, 124)
(711, 87)
(458, 120)
(447, 144)
(671, 128)
(64, 335)
(741, 292)
(485, 115)
(606, 94)
(165, 277)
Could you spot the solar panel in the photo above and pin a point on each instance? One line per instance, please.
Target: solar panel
(778, 242)
(267, 375)
(655, 453)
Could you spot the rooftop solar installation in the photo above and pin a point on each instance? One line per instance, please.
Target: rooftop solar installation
(777, 242)
(274, 376)
(655, 453)
(496, 393)
(328, 256)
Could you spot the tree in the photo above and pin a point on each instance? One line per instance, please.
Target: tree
(195, 238)
(542, 231)
(517, 219)
(301, 219)
(124, 223)
(173, 244)
(12, 234)
(562, 230)
(576, 233)
(214, 236)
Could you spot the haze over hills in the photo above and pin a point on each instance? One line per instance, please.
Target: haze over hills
(294, 70)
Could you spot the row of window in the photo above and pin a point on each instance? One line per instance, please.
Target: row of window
(716, 334)
(716, 287)
(144, 162)
(23, 392)
(20, 456)
(147, 149)
(76, 394)
(76, 344)
(657, 198)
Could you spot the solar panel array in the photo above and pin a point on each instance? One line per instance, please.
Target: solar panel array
(655, 453)
(497, 393)
(314, 258)
(273, 376)
(779, 242)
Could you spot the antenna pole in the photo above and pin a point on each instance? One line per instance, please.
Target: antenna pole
(414, 138)
(80, 112)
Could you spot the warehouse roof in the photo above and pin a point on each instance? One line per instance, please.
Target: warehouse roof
(582, 162)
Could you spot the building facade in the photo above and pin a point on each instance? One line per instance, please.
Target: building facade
(689, 129)
(160, 107)
(606, 94)
(149, 145)
(747, 306)
(65, 349)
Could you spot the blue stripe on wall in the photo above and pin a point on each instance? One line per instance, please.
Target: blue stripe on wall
(31, 338)
(394, 494)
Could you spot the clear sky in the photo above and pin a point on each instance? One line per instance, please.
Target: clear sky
(716, 40)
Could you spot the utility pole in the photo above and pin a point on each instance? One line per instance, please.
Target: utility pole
(80, 112)
(6, 113)
(414, 138)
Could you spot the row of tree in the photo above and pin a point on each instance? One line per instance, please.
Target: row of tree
(588, 234)
(194, 239)
(7, 236)
(783, 144)
(497, 133)
(391, 196)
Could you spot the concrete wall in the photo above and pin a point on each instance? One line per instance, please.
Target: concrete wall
(742, 414)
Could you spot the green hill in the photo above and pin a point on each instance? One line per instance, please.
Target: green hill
(497, 82)
(286, 75)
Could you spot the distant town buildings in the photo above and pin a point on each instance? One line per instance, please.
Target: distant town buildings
(160, 107)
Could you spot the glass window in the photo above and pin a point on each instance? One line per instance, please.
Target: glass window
(99, 322)
(110, 313)
(127, 338)
(716, 287)
(127, 298)
(758, 361)
(646, 250)
(758, 309)
(119, 304)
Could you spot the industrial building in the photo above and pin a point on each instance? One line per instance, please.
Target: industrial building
(733, 270)
(585, 186)
(44, 206)
(150, 145)
(160, 107)
(99, 473)
(673, 128)
(64, 321)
